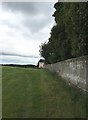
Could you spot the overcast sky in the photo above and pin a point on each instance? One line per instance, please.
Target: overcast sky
(23, 27)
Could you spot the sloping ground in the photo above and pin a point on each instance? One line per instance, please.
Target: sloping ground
(38, 93)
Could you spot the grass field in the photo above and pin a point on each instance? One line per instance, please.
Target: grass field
(38, 93)
(0, 92)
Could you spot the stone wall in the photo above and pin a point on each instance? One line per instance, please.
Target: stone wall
(74, 70)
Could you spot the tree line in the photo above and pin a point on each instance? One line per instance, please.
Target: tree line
(18, 65)
(68, 37)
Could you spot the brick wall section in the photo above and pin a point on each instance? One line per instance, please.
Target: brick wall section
(74, 71)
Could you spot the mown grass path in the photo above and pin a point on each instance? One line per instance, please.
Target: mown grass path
(38, 93)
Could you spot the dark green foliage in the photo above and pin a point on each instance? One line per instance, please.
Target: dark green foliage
(23, 66)
(69, 36)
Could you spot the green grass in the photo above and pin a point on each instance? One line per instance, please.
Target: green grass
(0, 92)
(38, 93)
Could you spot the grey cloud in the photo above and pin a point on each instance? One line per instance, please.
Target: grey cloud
(28, 7)
(20, 6)
(9, 59)
(11, 54)
(9, 24)
(36, 15)
(35, 25)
